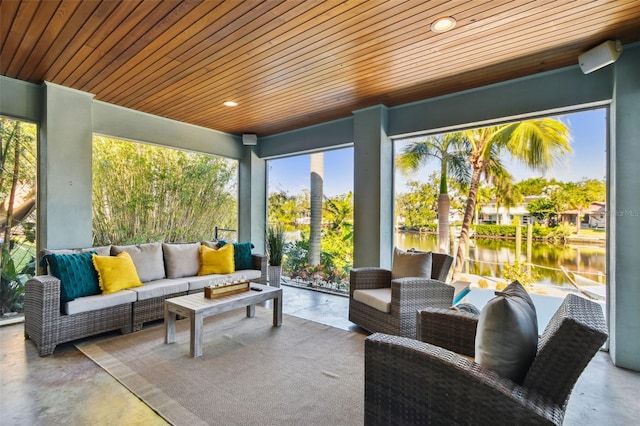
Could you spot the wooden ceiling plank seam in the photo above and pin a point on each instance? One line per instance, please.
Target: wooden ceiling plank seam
(307, 96)
(8, 10)
(373, 14)
(356, 48)
(116, 28)
(157, 48)
(268, 24)
(292, 28)
(91, 49)
(106, 76)
(316, 73)
(21, 21)
(223, 76)
(58, 45)
(180, 80)
(227, 76)
(178, 89)
(49, 35)
(205, 29)
(438, 84)
(119, 51)
(59, 69)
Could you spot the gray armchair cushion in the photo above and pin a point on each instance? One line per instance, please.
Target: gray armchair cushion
(147, 258)
(181, 260)
(507, 335)
(378, 298)
(410, 264)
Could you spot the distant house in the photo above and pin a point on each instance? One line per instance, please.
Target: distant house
(593, 217)
(491, 213)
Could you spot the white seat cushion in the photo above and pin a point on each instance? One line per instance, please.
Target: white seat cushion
(160, 288)
(377, 298)
(99, 301)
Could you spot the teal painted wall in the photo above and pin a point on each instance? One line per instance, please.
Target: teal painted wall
(64, 169)
(372, 189)
(624, 213)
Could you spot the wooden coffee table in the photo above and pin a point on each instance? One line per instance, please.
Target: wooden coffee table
(197, 307)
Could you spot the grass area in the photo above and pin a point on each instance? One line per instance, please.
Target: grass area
(588, 232)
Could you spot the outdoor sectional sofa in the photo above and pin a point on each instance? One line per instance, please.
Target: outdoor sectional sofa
(165, 270)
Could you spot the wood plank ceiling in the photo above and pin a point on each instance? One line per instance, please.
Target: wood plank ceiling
(293, 63)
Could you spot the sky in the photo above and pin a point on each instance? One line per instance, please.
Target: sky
(587, 160)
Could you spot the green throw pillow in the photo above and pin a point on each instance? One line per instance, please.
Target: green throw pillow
(241, 254)
(76, 273)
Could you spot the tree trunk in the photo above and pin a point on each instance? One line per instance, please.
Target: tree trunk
(443, 223)
(317, 176)
(466, 221)
(14, 186)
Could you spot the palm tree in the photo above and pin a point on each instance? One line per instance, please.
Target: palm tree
(449, 149)
(535, 143)
(315, 231)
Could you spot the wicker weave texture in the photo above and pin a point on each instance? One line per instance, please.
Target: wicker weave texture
(150, 309)
(449, 329)
(411, 382)
(408, 295)
(47, 327)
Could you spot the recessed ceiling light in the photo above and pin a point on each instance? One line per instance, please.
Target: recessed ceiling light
(444, 24)
(230, 103)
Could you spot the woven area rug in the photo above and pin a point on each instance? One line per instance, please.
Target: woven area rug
(250, 373)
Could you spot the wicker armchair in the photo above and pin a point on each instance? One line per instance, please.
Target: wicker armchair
(412, 382)
(408, 295)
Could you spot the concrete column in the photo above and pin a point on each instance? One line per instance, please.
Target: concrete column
(252, 199)
(623, 207)
(64, 169)
(372, 188)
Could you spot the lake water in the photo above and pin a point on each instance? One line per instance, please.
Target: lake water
(486, 257)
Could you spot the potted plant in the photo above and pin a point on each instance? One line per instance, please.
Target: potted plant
(275, 249)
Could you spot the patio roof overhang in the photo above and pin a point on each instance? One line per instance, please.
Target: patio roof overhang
(295, 63)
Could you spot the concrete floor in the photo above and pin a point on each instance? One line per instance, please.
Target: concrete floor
(68, 388)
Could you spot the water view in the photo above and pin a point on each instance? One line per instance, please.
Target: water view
(486, 257)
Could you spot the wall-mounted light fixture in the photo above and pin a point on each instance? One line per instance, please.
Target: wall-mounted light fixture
(600, 56)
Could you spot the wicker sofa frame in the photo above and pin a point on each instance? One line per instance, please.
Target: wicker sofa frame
(48, 327)
(408, 295)
(422, 381)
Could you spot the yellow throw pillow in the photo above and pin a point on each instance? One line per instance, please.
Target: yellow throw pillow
(116, 273)
(216, 261)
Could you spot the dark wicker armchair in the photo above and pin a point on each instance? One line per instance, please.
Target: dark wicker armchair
(408, 295)
(412, 382)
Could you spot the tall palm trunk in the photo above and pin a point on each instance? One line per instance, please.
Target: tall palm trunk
(466, 221)
(317, 177)
(443, 210)
(443, 223)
